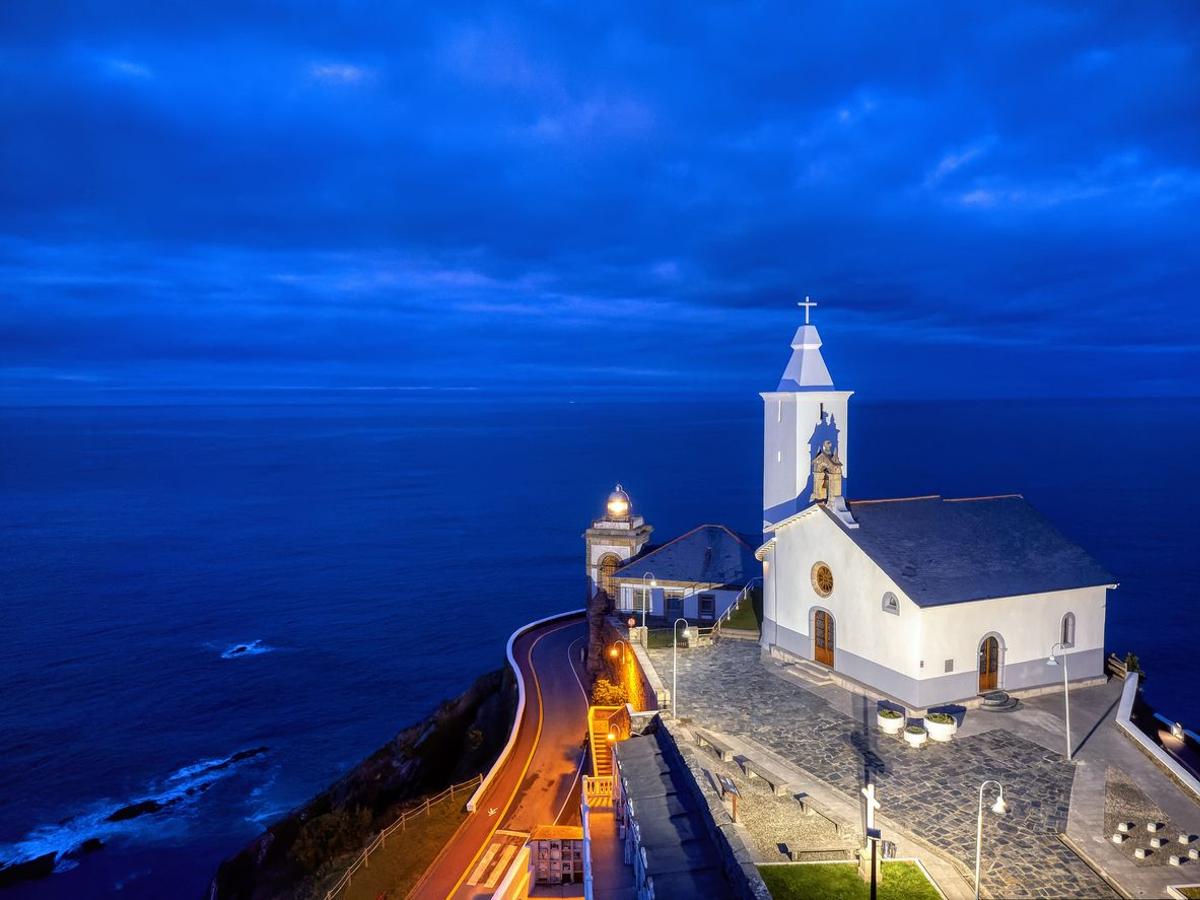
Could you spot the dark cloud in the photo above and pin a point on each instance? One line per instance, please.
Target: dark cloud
(558, 196)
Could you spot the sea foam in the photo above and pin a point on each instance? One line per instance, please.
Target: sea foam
(253, 648)
(106, 820)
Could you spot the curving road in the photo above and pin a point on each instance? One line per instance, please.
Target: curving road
(539, 782)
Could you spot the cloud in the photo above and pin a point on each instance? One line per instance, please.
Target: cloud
(524, 189)
(338, 73)
(955, 160)
(127, 68)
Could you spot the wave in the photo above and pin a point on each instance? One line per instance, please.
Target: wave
(254, 648)
(57, 847)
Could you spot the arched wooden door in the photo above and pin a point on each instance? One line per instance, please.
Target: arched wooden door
(823, 637)
(989, 664)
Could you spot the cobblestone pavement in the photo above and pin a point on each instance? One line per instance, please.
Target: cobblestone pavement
(1124, 802)
(932, 791)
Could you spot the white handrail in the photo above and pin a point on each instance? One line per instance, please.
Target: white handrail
(381, 838)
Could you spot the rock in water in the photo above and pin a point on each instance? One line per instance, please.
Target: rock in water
(15, 873)
(133, 810)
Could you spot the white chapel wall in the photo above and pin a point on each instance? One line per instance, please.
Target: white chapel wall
(1027, 627)
(864, 635)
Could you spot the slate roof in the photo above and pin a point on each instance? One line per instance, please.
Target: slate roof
(708, 554)
(681, 857)
(943, 551)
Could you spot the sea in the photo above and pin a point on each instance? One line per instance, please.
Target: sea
(211, 606)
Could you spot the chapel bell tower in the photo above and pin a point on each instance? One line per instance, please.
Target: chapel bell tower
(803, 418)
(616, 536)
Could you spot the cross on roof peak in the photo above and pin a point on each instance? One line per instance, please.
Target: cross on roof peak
(808, 305)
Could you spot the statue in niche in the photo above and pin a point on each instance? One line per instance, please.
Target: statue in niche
(827, 474)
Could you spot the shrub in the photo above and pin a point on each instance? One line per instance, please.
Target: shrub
(940, 718)
(915, 729)
(605, 693)
(1133, 665)
(886, 713)
(325, 837)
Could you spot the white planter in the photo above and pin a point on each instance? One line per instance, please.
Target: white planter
(888, 725)
(915, 739)
(941, 731)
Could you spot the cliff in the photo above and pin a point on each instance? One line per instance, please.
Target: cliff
(295, 855)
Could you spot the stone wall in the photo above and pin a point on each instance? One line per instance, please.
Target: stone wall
(736, 858)
(626, 669)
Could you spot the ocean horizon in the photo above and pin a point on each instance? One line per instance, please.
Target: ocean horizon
(215, 604)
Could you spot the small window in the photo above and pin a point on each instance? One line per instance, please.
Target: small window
(674, 606)
(1068, 630)
(779, 411)
(708, 606)
(822, 579)
(949, 665)
(778, 456)
(641, 599)
(891, 603)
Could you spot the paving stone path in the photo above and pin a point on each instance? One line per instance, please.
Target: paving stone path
(932, 791)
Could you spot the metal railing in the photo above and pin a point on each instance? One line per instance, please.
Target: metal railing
(361, 862)
(598, 790)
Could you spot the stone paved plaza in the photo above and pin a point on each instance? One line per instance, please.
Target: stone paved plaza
(932, 791)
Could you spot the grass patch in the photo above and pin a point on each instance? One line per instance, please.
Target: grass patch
(394, 869)
(659, 638)
(1192, 892)
(841, 881)
(749, 614)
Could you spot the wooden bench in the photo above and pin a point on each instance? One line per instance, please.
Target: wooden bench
(810, 808)
(755, 769)
(829, 854)
(723, 750)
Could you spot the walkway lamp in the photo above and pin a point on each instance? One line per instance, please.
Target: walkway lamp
(687, 636)
(646, 599)
(613, 652)
(1052, 661)
(999, 808)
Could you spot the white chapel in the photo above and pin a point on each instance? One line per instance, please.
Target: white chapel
(928, 600)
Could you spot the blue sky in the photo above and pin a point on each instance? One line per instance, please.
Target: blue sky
(570, 197)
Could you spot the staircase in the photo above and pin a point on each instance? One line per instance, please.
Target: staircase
(601, 747)
(808, 671)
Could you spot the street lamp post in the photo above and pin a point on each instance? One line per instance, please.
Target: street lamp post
(613, 652)
(1066, 690)
(646, 599)
(999, 808)
(675, 663)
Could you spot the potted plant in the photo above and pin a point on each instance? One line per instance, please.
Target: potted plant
(941, 726)
(890, 720)
(915, 735)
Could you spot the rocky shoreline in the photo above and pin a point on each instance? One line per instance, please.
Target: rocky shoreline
(295, 856)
